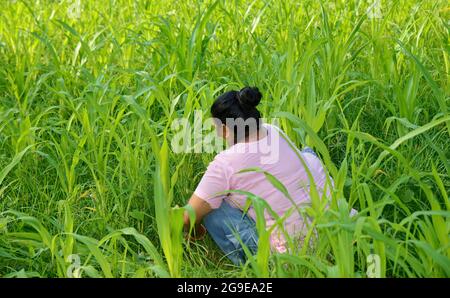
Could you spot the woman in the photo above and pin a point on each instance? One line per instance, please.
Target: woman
(222, 213)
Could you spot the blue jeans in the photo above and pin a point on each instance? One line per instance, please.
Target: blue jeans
(227, 222)
(309, 150)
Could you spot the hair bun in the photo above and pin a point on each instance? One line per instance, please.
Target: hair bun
(249, 96)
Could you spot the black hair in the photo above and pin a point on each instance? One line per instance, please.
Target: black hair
(238, 105)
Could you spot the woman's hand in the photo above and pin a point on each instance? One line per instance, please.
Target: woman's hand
(201, 208)
(198, 233)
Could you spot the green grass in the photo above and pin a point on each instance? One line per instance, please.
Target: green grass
(89, 185)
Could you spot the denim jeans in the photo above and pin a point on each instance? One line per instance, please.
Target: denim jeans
(227, 222)
(309, 150)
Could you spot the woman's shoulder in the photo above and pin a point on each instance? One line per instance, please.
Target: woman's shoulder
(223, 159)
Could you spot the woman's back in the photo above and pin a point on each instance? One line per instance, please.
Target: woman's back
(272, 154)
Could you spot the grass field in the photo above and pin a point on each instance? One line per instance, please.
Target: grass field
(89, 185)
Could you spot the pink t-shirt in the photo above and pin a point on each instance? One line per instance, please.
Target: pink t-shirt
(272, 154)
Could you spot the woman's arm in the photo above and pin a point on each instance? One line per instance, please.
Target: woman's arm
(201, 208)
(204, 199)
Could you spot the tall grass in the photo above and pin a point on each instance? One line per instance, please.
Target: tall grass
(89, 185)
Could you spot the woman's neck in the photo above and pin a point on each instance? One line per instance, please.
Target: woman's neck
(253, 137)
